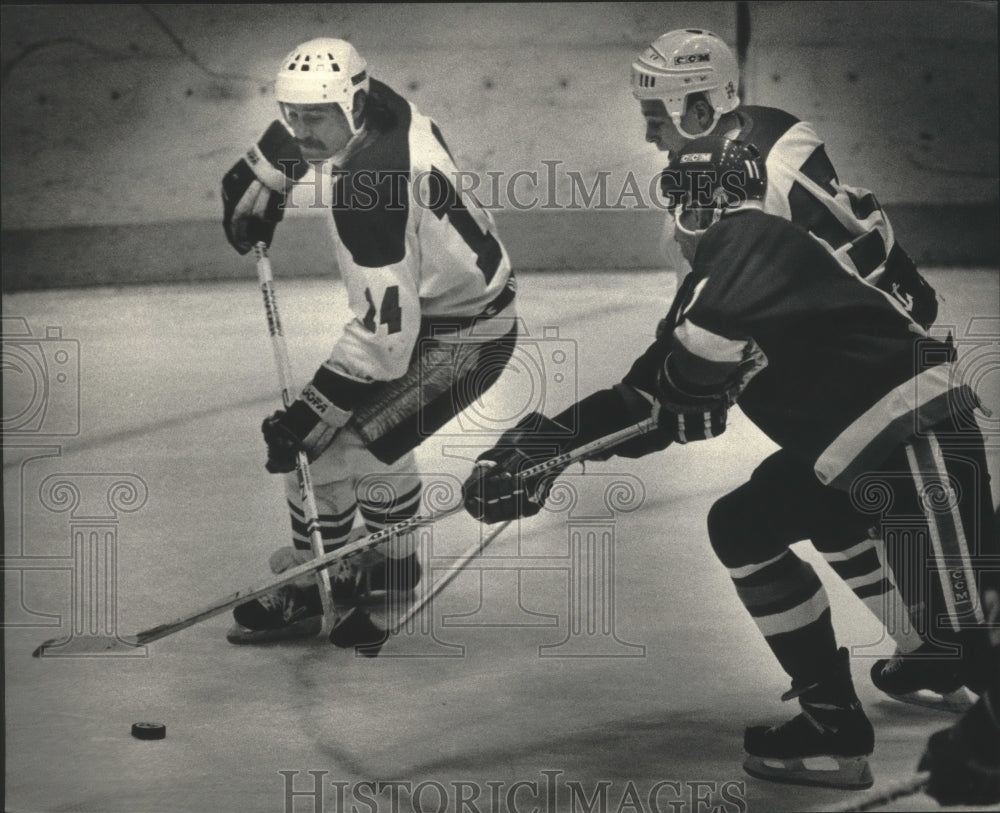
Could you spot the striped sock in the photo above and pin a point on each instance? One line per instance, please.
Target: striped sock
(334, 528)
(389, 511)
(788, 602)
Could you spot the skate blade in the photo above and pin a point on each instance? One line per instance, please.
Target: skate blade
(848, 773)
(956, 702)
(374, 598)
(306, 628)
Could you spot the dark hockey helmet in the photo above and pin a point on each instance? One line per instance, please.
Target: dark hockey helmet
(714, 172)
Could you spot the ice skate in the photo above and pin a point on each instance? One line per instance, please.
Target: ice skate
(295, 611)
(288, 614)
(828, 744)
(379, 584)
(926, 677)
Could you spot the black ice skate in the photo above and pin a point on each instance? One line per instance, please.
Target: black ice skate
(295, 611)
(290, 613)
(381, 581)
(828, 744)
(929, 676)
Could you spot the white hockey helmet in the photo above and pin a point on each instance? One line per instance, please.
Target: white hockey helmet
(323, 71)
(687, 61)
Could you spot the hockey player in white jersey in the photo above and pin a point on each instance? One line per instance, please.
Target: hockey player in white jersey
(686, 83)
(426, 279)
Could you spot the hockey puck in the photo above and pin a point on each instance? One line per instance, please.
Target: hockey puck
(149, 731)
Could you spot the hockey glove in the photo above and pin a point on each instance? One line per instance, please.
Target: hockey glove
(964, 760)
(684, 416)
(254, 190)
(299, 429)
(495, 491)
(687, 413)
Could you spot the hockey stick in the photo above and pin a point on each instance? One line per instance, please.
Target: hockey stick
(357, 625)
(147, 636)
(877, 798)
(306, 493)
(457, 567)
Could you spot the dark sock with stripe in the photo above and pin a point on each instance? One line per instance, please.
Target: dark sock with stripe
(863, 569)
(789, 605)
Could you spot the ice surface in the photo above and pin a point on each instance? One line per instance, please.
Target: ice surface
(667, 668)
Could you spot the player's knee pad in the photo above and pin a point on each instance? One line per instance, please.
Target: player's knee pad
(728, 530)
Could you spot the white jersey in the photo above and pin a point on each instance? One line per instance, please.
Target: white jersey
(408, 248)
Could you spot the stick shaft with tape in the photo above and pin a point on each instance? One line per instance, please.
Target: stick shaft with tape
(265, 277)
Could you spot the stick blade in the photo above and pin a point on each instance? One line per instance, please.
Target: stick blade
(90, 646)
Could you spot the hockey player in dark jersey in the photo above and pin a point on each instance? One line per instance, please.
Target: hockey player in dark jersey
(686, 83)
(427, 280)
(829, 369)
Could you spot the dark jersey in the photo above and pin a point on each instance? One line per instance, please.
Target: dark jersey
(847, 377)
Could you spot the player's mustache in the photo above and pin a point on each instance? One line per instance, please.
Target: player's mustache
(311, 143)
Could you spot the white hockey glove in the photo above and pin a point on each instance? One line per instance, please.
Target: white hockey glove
(300, 428)
(255, 188)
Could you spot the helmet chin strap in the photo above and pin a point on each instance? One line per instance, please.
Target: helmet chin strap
(341, 156)
(717, 213)
(678, 211)
(349, 115)
(676, 118)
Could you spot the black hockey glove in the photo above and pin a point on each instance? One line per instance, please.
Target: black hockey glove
(255, 188)
(495, 491)
(685, 416)
(687, 413)
(964, 760)
(299, 429)
(282, 444)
